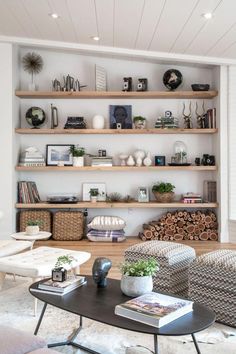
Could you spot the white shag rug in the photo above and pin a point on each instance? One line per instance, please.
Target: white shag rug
(16, 310)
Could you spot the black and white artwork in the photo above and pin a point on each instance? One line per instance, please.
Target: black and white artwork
(58, 155)
(120, 117)
(143, 195)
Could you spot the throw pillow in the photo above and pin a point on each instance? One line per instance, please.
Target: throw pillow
(107, 223)
(106, 235)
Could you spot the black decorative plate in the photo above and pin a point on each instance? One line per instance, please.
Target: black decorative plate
(179, 164)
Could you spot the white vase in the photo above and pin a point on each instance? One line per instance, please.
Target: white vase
(136, 286)
(78, 161)
(147, 161)
(130, 161)
(32, 230)
(139, 161)
(98, 122)
(93, 199)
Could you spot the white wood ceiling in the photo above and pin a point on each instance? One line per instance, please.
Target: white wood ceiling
(174, 26)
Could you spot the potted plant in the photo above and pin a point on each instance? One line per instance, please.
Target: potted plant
(78, 155)
(137, 276)
(94, 193)
(32, 227)
(139, 122)
(163, 192)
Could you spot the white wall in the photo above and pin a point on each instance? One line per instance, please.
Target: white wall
(58, 63)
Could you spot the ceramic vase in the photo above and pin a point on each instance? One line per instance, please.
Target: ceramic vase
(136, 286)
(93, 199)
(78, 161)
(130, 161)
(147, 161)
(98, 122)
(32, 230)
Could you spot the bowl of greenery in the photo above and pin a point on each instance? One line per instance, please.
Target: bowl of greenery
(163, 192)
(32, 227)
(137, 276)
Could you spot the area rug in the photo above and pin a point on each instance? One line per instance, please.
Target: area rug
(16, 310)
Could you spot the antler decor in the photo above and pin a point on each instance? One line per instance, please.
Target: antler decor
(187, 117)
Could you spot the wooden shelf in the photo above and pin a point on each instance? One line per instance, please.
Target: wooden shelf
(117, 94)
(107, 205)
(117, 168)
(114, 131)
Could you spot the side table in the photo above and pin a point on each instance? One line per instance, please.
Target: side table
(42, 235)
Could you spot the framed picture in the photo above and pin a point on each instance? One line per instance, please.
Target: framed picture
(143, 195)
(160, 160)
(120, 117)
(58, 154)
(100, 78)
(100, 187)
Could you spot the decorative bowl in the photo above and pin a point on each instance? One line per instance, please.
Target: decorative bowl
(164, 197)
(200, 87)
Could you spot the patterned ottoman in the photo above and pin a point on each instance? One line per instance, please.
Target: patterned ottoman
(174, 260)
(212, 281)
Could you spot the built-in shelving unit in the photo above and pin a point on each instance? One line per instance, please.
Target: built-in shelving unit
(114, 131)
(117, 94)
(108, 205)
(117, 168)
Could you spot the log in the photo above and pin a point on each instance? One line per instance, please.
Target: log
(190, 229)
(178, 237)
(213, 236)
(148, 227)
(201, 226)
(196, 238)
(147, 234)
(180, 223)
(169, 233)
(191, 237)
(208, 219)
(169, 221)
(203, 236)
(165, 238)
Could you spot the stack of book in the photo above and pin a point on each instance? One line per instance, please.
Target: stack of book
(210, 118)
(101, 161)
(167, 123)
(154, 309)
(209, 191)
(31, 157)
(28, 192)
(192, 198)
(49, 286)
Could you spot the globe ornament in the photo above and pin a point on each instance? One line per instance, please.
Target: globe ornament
(35, 116)
(172, 79)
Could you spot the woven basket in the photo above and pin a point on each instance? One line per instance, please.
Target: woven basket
(43, 215)
(164, 197)
(68, 225)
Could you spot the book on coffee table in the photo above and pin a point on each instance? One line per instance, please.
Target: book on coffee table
(154, 309)
(60, 288)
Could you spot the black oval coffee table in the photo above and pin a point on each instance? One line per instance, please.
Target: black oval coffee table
(98, 304)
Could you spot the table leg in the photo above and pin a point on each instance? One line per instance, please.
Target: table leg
(40, 319)
(195, 343)
(155, 344)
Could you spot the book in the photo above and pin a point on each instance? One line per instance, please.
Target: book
(60, 287)
(58, 293)
(154, 309)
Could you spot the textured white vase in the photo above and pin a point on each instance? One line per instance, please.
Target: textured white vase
(147, 161)
(130, 161)
(98, 122)
(78, 161)
(136, 286)
(32, 230)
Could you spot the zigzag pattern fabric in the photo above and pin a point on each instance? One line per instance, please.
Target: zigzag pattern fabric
(174, 260)
(212, 281)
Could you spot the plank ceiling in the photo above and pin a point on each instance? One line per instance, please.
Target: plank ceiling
(174, 26)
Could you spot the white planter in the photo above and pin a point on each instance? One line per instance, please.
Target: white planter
(93, 199)
(78, 161)
(136, 286)
(32, 230)
(98, 122)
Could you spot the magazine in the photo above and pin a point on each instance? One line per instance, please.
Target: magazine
(69, 284)
(154, 309)
(52, 292)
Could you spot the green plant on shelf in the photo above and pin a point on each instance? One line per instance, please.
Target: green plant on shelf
(94, 192)
(140, 268)
(163, 187)
(77, 151)
(34, 223)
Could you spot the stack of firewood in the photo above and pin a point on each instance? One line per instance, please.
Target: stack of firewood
(182, 225)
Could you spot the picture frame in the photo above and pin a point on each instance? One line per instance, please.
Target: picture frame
(160, 160)
(120, 116)
(143, 195)
(100, 78)
(101, 187)
(59, 154)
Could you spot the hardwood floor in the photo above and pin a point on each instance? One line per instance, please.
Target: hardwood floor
(115, 251)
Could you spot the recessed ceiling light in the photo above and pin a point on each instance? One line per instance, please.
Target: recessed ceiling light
(207, 15)
(53, 15)
(95, 38)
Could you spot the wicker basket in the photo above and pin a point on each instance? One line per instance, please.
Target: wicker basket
(43, 215)
(68, 225)
(164, 197)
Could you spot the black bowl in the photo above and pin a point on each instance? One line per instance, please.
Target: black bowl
(200, 87)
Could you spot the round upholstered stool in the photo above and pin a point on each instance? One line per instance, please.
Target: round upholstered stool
(212, 281)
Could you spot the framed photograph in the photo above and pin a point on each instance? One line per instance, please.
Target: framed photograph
(160, 160)
(100, 187)
(100, 78)
(59, 154)
(143, 195)
(120, 117)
